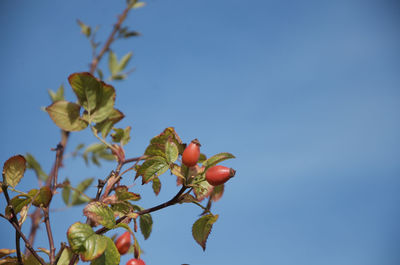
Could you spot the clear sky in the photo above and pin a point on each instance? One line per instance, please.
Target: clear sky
(305, 93)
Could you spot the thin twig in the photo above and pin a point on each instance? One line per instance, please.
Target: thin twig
(110, 39)
(36, 215)
(13, 220)
(172, 201)
(49, 235)
(27, 245)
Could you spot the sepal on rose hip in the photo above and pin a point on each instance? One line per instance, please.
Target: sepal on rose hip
(218, 175)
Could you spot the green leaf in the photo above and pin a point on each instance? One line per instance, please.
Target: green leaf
(168, 134)
(156, 185)
(66, 115)
(65, 257)
(110, 256)
(58, 95)
(18, 203)
(85, 29)
(13, 170)
(124, 61)
(212, 161)
(112, 63)
(202, 228)
(123, 194)
(171, 151)
(42, 197)
(151, 168)
(146, 225)
(100, 213)
(121, 135)
(122, 208)
(105, 126)
(33, 164)
(66, 192)
(96, 97)
(85, 241)
(77, 197)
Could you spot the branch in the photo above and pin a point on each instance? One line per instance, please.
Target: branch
(110, 39)
(13, 221)
(172, 201)
(36, 215)
(49, 235)
(27, 245)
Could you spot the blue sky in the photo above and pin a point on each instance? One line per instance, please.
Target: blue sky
(304, 93)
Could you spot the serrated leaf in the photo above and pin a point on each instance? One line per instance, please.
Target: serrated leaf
(105, 126)
(66, 115)
(151, 168)
(155, 150)
(33, 164)
(212, 161)
(96, 97)
(171, 151)
(58, 95)
(146, 225)
(123, 194)
(110, 256)
(85, 241)
(112, 63)
(202, 227)
(168, 134)
(5, 252)
(13, 170)
(65, 257)
(100, 213)
(156, 185)
(77, 198)
(124, 61)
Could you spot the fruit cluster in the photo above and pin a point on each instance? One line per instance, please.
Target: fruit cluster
(215, 175)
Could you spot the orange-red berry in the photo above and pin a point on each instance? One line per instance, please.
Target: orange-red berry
(191, 154)
(135, 262)
(218, 175)
(123, 243)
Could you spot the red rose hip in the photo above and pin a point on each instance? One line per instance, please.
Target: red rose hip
(191, 154)
(135, 262)
(218, 175)
(123, 243)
